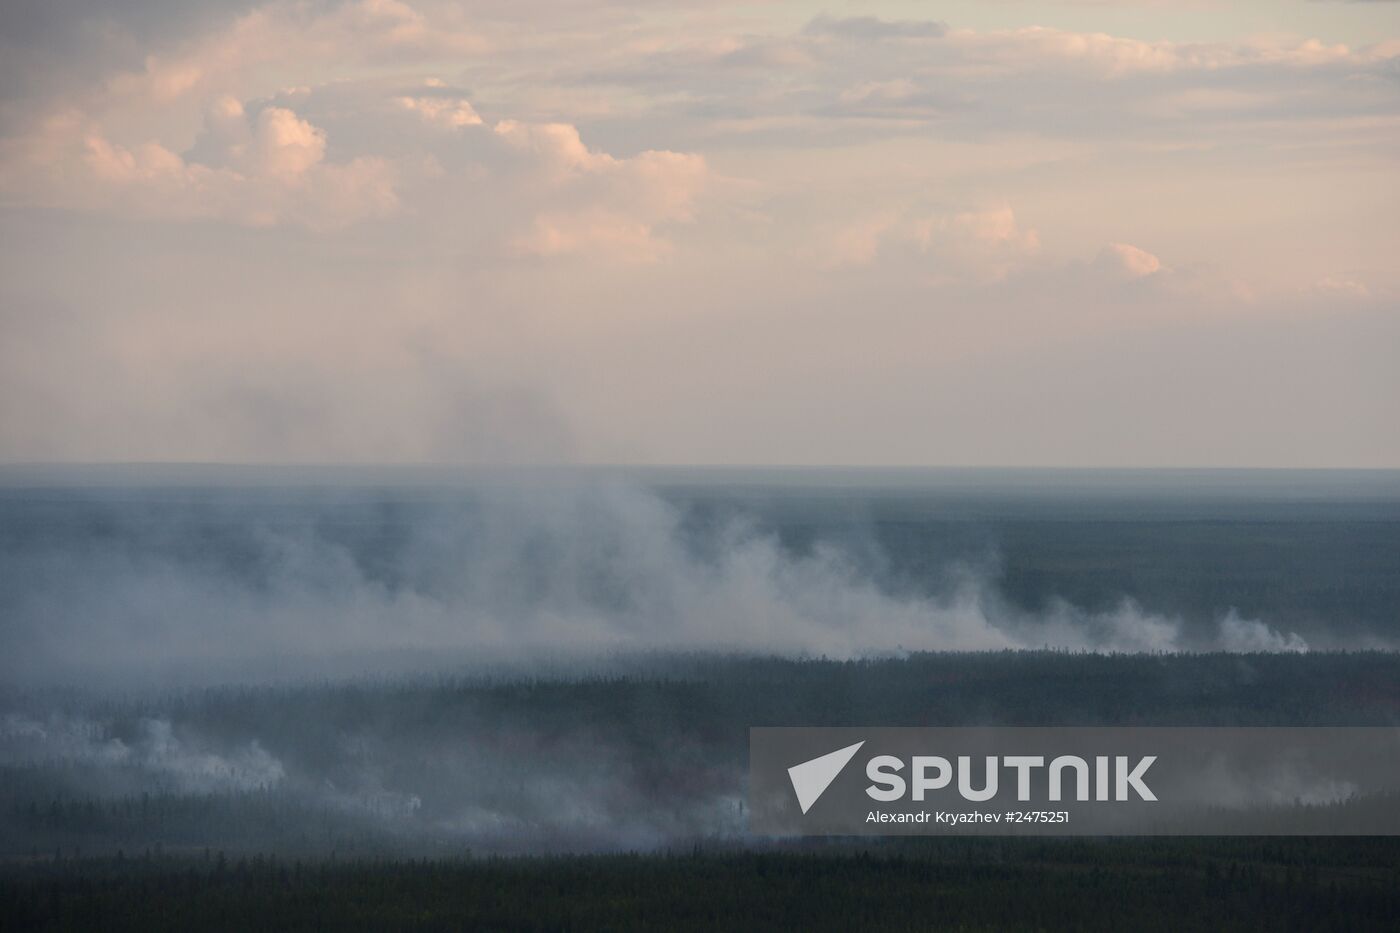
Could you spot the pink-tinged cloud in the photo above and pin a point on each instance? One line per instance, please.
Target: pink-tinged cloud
(1128, 261)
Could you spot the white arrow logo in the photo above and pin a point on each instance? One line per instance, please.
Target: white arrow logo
(811, 778)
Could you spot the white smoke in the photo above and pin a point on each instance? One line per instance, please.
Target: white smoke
(156, 752)
(1284, 783)
(1238, 634)
(525, 571)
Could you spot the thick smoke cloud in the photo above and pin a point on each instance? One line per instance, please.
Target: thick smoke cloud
(515, 572)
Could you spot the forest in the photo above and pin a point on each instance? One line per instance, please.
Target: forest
(636, 753)
(1106, 885)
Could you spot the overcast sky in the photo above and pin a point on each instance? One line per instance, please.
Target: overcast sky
(1025, 233)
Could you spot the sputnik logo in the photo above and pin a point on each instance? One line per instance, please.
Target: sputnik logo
(811, 778)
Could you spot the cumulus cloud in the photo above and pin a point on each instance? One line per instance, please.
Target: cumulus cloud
(994, 229)
(260, 163)
(275, 141)
(610, 206)
(257, 169)
(1127, 261)
(437, 105)
(959, 245)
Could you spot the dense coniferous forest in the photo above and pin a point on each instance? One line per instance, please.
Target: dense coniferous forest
(966, 885)
(452, 802)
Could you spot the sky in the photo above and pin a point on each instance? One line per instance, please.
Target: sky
(1094, 233)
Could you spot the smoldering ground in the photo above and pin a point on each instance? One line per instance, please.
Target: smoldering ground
(649, 754)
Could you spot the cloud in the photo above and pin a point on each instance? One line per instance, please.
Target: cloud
(368, 32)
(1127, 261)
(556, 146)
(872, 27)
(260, 163)
(275, 142)
(960, 245)
(1037, 47)
(1341, 286)
(439, 107)
(255, 169)
(773, 55)
(896, 99)
(615, 206)
(339, 185)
